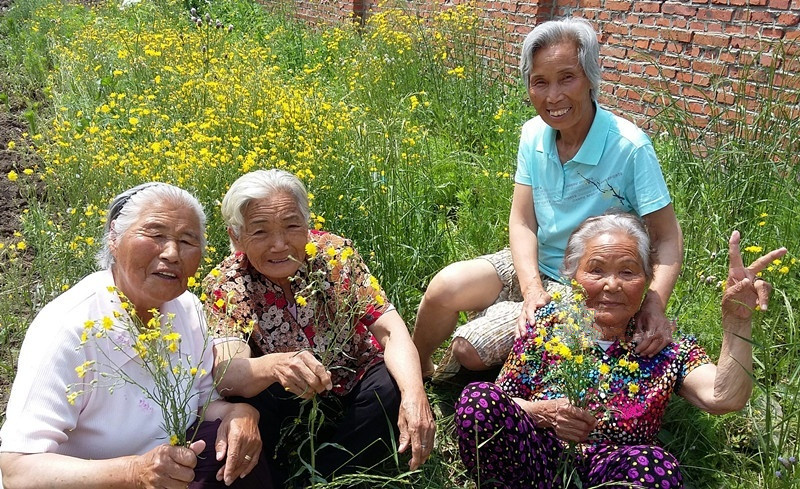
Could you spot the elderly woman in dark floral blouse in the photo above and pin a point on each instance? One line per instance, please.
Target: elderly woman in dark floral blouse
(514, 433)
(318, 324)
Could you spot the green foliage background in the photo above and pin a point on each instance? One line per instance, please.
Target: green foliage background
(407, 142)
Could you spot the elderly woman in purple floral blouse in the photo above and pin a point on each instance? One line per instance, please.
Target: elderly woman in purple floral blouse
(321, 326)
(514, 433)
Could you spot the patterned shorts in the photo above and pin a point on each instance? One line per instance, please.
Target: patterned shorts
(491, 331)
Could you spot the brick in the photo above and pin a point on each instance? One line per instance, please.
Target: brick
(724, 97)
(788, 20)
(657, 46)
(779, 4)
(613, 51)
(762, 17)
(716, 14)
(671, 8)
(677, 35)
(621, 6)
(644, 32)
(667, 60)
(717, 40)
(701, 80)
(649, 7)
(642, 44)
(712, 68)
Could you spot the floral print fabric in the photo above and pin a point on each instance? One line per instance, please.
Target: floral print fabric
(502, 447)
(239, 297)
(634, 390)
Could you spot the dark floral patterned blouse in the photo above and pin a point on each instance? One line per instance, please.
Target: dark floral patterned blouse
(635, 389)
(336, 301)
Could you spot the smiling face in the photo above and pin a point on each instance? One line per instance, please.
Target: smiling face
(611, 272)
(559, 89)
(157, 254)
(273, 237)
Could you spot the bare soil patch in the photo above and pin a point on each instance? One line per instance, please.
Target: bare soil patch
(11, 201)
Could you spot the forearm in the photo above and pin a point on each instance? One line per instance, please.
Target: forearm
(733, 383)
(543, 413)
(667, 238)
(240, 375)
(39, 470)
(524, 253)
(402, 362)
(666, 269)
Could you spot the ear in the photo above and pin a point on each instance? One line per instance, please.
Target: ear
(113, 236)
(237, 246)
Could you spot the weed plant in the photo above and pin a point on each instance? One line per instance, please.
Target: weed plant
(407, 142)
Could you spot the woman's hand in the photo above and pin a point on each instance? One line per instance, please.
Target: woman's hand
(653, 329)
(302, 374)
(166, 466)
(417, 428)
(570, 423)
(745, 290)
(535, 297)
(238, 442)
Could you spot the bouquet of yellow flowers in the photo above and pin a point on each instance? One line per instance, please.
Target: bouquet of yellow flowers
(147, 355)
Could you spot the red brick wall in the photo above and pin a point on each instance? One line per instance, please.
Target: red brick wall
(702, 52)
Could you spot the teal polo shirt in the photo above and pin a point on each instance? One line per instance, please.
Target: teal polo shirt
(616, 167)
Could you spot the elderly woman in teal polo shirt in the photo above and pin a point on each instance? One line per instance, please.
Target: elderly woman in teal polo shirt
(575, 160)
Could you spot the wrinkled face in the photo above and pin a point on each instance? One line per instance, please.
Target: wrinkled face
(158, 253)
(559, 89)
(274, 236)
(611, 272)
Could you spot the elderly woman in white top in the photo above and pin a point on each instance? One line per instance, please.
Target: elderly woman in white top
(115, 437)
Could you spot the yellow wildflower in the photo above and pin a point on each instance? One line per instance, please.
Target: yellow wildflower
(108, 323)
(311, 249)
(753, 249)
(173, 440)
(301, 301)
(13, 176)
(71, 398)
(347, 253)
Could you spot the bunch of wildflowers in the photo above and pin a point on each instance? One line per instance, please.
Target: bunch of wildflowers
(336, 301)
(565, 335)
(156, 348)
(340, 297)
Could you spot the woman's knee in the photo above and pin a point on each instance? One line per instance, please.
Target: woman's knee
(464, 286)
(467, 355)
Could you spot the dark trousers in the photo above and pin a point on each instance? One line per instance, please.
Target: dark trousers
(358, 431)
(205, 472)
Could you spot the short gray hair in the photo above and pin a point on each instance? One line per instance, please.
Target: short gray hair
(612, 221)
(550, 33)
(127, 207)
(257, 185)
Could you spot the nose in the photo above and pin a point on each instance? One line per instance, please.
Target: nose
(612, 283)
(278, 243)
(169, 251)
(553, 92)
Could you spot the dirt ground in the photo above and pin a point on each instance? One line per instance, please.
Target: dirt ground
(11, 202)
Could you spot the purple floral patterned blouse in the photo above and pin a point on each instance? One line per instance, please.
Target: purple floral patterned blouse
(332, 322)
(627, 415)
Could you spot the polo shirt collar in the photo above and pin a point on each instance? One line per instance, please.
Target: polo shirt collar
(593, 145)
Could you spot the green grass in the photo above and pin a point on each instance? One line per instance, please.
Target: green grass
(408, 143)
